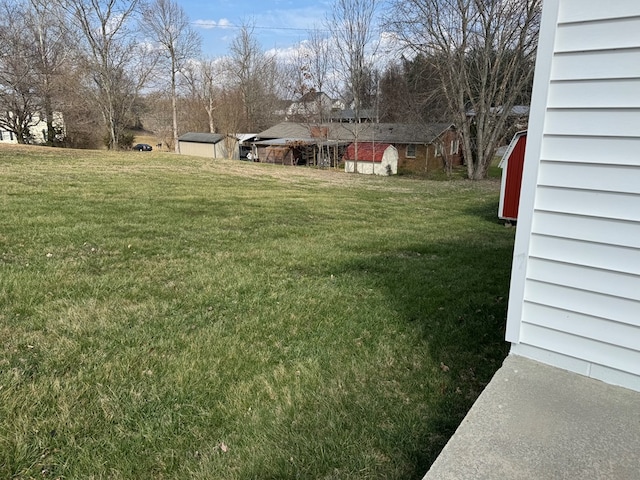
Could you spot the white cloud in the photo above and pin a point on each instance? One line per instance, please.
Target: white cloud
(209, 24)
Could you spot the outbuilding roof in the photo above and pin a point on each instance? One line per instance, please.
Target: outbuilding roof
(201, 137)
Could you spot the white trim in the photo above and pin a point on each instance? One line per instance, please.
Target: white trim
(576, 365)
(530, 172)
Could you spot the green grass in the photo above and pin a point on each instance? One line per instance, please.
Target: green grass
(172, 317)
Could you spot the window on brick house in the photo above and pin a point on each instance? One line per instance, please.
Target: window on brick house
(438, 150)
(411, 151)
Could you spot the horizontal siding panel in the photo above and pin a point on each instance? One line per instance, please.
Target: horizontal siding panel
(595, 65)
(584, 348)
(598, 149)
(600, 35)
(580, 11)
(594, 255)
(617, 93)
(595, 328)
(587, 122)
(605, 178)
(584, 278)
(585, 202)
(590, 229)
(621, 310)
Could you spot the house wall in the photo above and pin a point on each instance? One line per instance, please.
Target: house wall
(451, 147)
(38, 131)
(575, 287)
(420, 164)
(7, 137)
(427, 159)
(210, 150)
(197, 149)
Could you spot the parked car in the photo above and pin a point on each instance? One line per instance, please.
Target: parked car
(142, 147)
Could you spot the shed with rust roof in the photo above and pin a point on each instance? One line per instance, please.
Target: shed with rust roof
(371, 158)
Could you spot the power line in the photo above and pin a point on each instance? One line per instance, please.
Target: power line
(213, 25)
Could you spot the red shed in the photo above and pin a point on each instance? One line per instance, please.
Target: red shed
(512, 164)
(373, 158)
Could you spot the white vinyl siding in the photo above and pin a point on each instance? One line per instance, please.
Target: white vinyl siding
(576, 275)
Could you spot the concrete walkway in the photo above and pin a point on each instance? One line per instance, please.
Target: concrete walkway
(538, 422)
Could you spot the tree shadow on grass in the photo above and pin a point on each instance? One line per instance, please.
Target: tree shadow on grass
(487, 211)
(454, 296)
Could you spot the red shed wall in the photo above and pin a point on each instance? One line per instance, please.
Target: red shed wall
(515, 164)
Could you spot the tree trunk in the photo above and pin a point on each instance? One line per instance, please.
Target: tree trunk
(174, 106)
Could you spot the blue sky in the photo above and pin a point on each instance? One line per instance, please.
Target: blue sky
(278, 23)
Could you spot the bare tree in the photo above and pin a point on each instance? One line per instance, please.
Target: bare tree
(319, 47)
(484, 55)
(117, 64)
(166, 23)
(257, 77)
(50, 44)
(202, 77)
(19, 99)
(352, 27)
(410, 92)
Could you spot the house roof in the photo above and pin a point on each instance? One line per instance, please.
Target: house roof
(367, 151)
(244, 137)
(516, 111)
(406, 133)
(285, 130)
(312, 96)
(367, 132)
(285, 141)
(201, 137)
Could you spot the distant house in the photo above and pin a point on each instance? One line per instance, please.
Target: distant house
(38, 131)
(348, 115)
(517, 120)
(517, 111)
(7, 136)
(312, 106)
(209, 145)
(371, 158)
(575, 287)
(421, 148)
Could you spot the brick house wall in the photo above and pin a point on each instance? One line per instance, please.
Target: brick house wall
(421, 158)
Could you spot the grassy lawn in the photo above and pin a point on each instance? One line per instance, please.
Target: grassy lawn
(172, 317)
